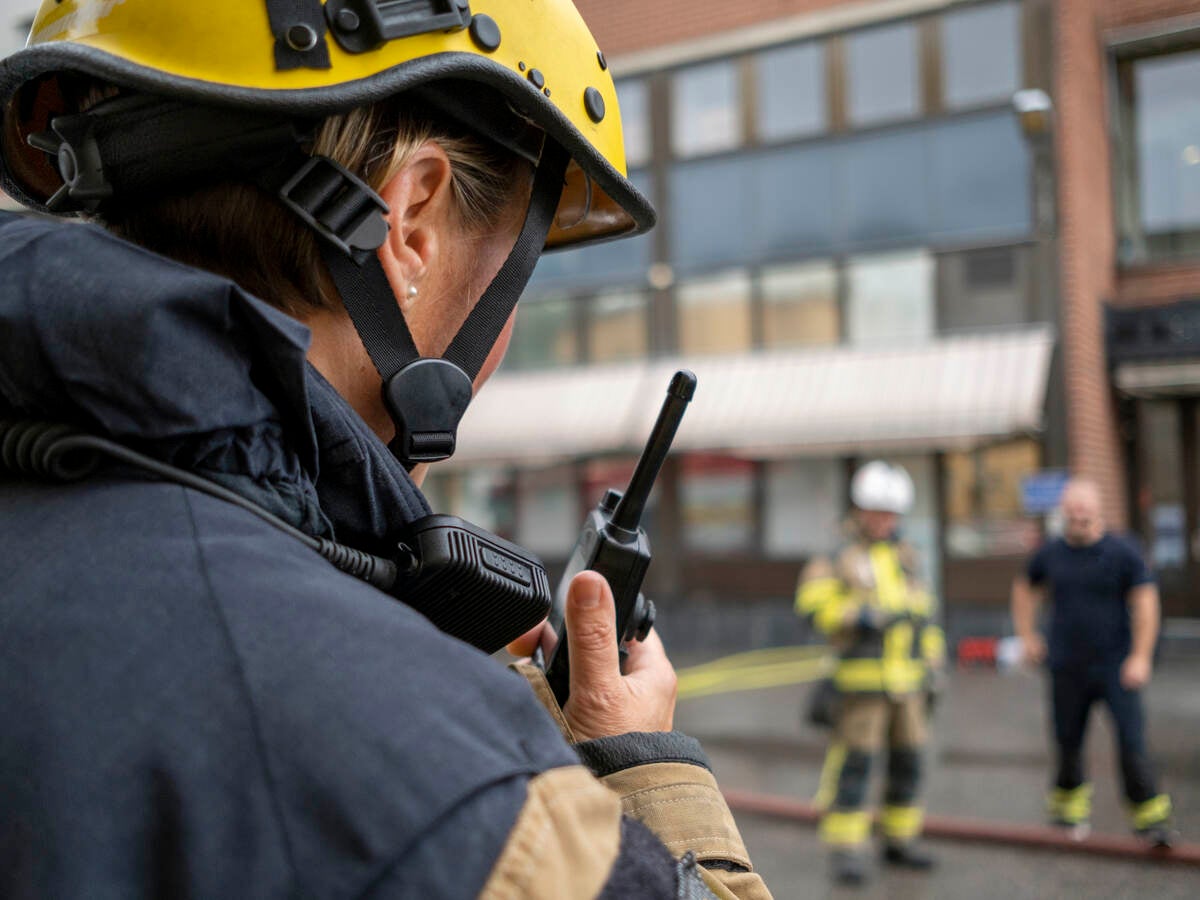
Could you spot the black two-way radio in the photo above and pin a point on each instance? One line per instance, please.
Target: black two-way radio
(614, 544)
(470, 583)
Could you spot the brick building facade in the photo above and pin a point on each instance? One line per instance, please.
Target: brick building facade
(1080, 269)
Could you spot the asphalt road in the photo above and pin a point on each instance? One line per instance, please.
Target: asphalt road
(989, 759)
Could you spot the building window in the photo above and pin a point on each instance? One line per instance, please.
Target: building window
(634, 98)
(717, 503)
(1160, 156)
(804, 507)
(705, 109)
(800, 305)
(889, 298)
(981, 54)
(618, 327)
(1162, 487)
(882, 74)
(791, 91)
(609, 473)
(885, 189)
(984, 516)
(984, 288)
(548, 514)
(545, 334)
(714, 212)
(481, 495)
(714, 315)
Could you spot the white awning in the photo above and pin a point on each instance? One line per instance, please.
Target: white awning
(949, 393)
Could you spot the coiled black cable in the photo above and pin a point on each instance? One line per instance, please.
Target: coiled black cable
(55, 452)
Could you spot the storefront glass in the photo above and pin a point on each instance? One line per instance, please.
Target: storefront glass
(548, 512)
(717, 504)
(984, 517)
(805, 506)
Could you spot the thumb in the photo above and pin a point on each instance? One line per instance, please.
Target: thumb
(592, 634)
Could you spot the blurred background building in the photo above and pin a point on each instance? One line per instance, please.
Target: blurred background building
(964, 236)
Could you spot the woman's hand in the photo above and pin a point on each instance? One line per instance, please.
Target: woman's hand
(604, 702)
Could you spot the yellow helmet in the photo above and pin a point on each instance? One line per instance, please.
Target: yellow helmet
(217, 87)
(310, 59)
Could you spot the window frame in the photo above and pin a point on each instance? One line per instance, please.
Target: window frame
(1130, 242)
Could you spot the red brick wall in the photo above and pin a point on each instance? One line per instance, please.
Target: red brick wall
(625, 26)
(1086, 244)
(1123, 13)
(1151, 285)
(1088, 265)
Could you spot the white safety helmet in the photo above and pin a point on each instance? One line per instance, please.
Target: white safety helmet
(883, 487)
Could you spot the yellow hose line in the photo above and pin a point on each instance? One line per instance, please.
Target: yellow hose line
(756, 669)
(765, 655)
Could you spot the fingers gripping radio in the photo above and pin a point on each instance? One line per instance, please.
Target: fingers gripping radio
(614, 544)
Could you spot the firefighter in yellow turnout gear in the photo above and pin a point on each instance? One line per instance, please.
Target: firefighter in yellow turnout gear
(879, 618)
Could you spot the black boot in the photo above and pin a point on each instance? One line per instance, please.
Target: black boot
(908, 855)
(848, 866)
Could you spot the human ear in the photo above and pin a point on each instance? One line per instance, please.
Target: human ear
(419, 198)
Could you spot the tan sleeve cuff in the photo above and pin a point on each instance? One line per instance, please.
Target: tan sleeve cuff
(681, 804)
(541, 689)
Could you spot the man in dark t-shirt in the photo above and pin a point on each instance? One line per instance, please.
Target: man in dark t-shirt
(1103, 626)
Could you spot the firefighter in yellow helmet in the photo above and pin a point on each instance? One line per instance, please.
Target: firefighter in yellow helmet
(308, 224)
(870, 603)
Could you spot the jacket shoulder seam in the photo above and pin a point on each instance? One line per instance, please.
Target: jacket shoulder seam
(244, 687)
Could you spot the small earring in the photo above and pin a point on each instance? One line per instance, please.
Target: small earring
(412, 292)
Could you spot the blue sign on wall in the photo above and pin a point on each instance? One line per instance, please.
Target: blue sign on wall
(1041, 491)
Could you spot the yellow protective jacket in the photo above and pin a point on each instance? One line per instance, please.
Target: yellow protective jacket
(873, 583)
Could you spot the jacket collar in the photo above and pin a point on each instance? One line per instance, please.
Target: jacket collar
(186, 366)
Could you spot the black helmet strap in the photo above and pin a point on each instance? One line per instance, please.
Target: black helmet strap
(425, 397)
(139, 144)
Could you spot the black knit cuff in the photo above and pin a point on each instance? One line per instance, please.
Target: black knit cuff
(638, 748)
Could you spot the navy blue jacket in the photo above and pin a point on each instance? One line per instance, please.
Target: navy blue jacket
(193, 703)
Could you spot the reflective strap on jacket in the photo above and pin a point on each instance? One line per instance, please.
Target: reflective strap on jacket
(1071, 805)
(902, 822)
(845, 829)
(825, 600)
(894, 676)
(1154, 811)
(891, 587)
(933, 644)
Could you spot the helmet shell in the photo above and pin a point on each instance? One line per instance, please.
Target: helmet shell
(883, 487)
(546, 65)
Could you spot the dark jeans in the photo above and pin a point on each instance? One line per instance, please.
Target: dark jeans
(1072, 692)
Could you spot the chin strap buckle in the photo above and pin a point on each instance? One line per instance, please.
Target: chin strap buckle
(338, 205)
(426, 400)
(72, 146)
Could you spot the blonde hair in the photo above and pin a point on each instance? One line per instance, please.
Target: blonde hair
(237, 230)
